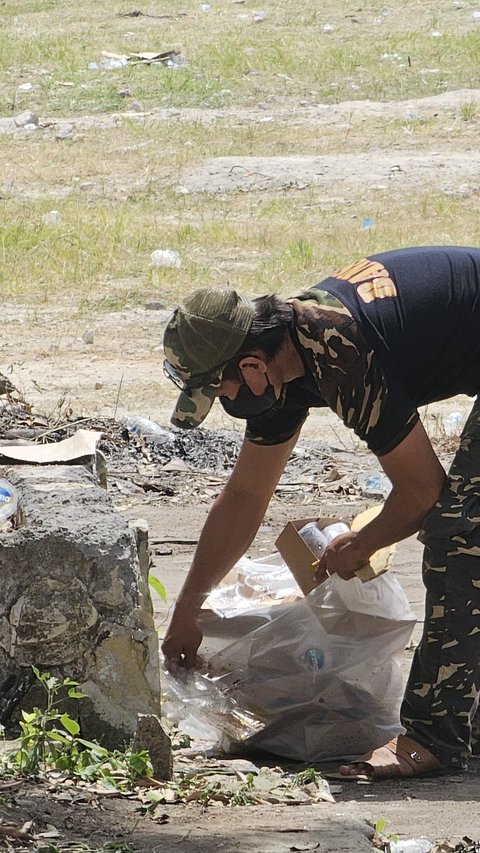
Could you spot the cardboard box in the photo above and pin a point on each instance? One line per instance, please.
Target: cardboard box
(302, 561)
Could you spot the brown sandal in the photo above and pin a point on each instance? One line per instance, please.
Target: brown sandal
(420, 761)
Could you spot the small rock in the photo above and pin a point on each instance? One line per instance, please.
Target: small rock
(98, 386)
(26, 118)
(150, 736)
(124, 92)
(136, 107)
(65, 132)
(87, 337)
(86, 185)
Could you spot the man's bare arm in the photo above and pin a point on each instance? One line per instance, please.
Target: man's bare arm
(417, 481)
(228, 532)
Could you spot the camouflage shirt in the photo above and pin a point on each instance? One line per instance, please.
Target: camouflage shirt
(379, 338)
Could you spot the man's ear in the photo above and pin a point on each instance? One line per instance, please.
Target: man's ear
(254, 369)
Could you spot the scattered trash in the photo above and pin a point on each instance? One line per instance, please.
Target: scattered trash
(146, 428)
(367, 223)
(25, 87)
(165, 258)
(476, 15)
(436, 34)
(259, 17)
(411, 845)
(53, 217)
(205, 7)
(328, 28)
(453, 423)
(374, 482)
(112, 61)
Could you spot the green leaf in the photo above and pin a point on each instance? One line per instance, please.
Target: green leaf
(75, 694)
(28, 717)
(158, 587)
(95, 747)
(57, 736)
(70, 725)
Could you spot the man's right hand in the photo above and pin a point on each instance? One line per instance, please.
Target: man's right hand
(181, 641)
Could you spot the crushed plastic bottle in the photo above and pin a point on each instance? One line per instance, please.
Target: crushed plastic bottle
(146, 428)
(8, 501)
(374, 482)
(411, 845)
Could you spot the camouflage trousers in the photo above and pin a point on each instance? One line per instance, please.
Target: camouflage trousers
(440, 707)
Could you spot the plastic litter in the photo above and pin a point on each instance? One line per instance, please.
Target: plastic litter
(314, 537)
(374, 482)
(146, 428)
(367, 223)
(110, 63)
(453, 423)
(194, 703)
(8, 501)
(411, 845)
(255, 583)
(53, 217)
(165, 258)
(331, 531)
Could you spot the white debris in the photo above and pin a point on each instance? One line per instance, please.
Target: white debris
(165, 258)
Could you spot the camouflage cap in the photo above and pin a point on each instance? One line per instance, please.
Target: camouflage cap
(202, 335)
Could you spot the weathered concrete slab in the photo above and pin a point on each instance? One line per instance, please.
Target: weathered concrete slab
(75, 601)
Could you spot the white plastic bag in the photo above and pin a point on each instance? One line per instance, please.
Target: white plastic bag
(324, 672)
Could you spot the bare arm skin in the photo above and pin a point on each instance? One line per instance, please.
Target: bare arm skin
(228, 532)
(417, 479)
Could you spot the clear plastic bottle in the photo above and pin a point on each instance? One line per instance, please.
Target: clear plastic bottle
(147, 428)
(411, 845)
(8, 501)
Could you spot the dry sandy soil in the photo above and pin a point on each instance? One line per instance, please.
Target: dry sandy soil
(46, 355)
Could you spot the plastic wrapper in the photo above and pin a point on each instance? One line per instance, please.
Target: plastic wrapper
(320, 675)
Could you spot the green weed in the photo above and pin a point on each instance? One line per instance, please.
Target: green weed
(51, 740)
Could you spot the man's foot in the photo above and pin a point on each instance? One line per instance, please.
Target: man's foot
(400, 758)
